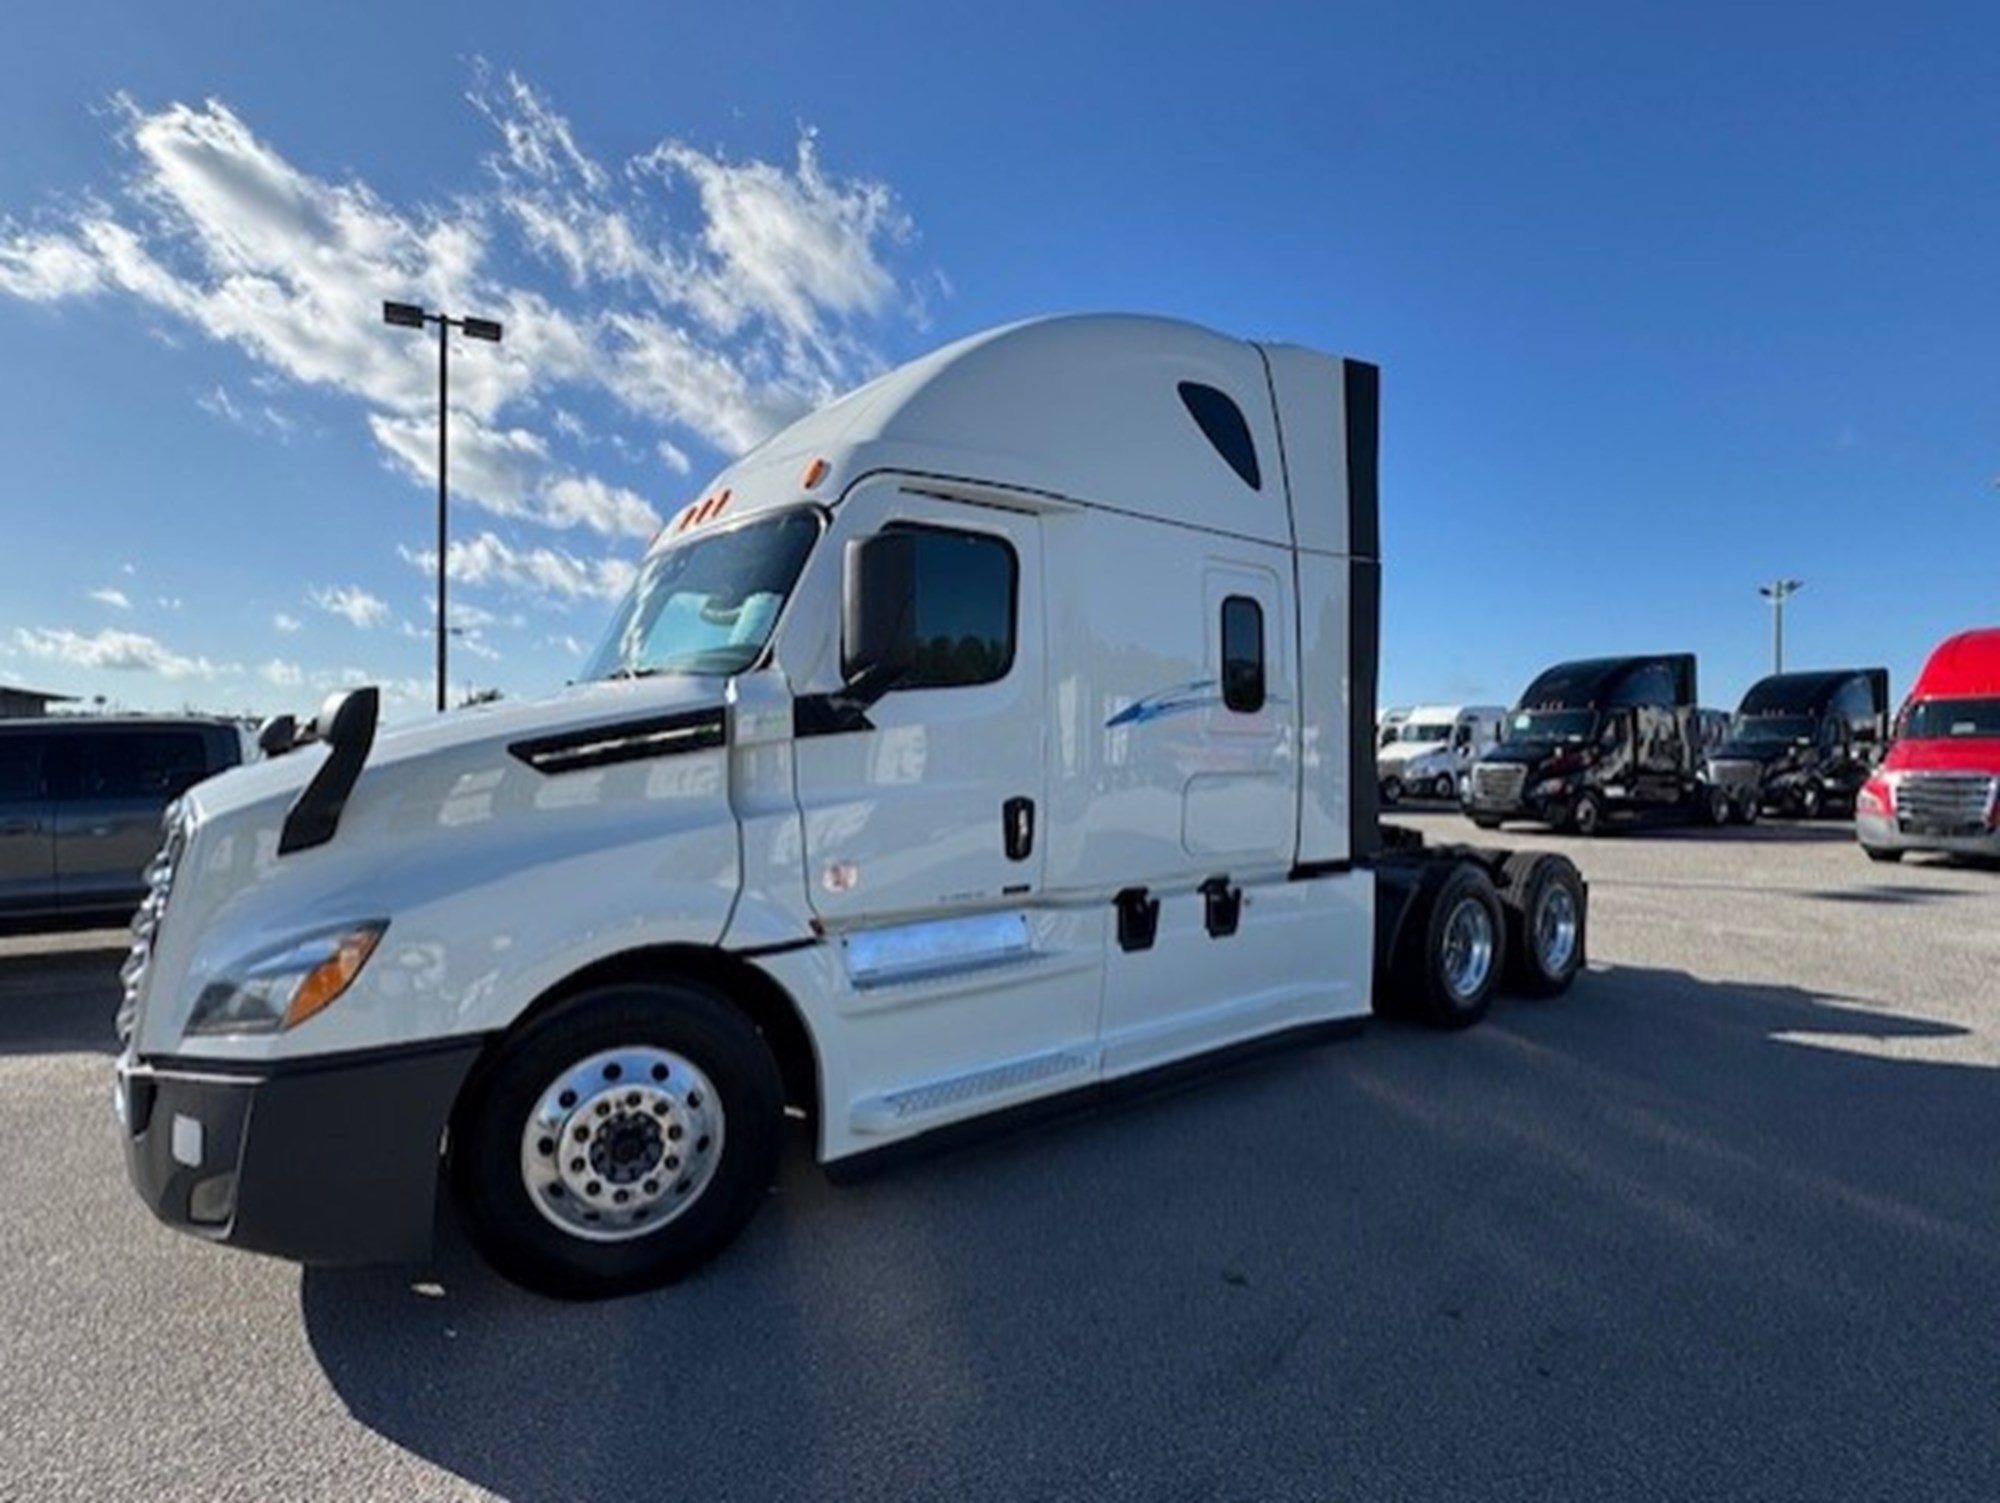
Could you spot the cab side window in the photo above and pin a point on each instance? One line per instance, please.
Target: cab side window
(1242, 654)
(967, 586)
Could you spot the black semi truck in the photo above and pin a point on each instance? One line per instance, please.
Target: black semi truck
(1599, 739)
(1803, 743)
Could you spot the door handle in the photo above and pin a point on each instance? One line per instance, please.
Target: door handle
(1017, 823)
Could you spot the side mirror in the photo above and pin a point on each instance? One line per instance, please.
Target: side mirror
(278, 735)
(878, 636)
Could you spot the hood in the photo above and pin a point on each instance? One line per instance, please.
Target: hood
(1969, 754)
(1403, 753)
(1528, 753)
(478, 735)
(1763, 753)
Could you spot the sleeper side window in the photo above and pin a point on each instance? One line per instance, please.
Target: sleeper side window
(967, 586)
(1242, 654)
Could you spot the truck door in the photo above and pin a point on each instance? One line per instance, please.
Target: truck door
(936, 807)
(27, 825)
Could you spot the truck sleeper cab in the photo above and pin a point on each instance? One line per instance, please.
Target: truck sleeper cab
(1598, 739)
(1938, 788)
(1434, 748)
(1803, 743)
(987, 737)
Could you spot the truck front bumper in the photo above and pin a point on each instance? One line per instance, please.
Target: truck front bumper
(1884, 832)
(334, 1160)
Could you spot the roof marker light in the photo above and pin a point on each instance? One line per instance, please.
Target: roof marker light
(815, 473)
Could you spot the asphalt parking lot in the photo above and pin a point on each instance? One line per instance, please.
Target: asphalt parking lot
(1722, 1223)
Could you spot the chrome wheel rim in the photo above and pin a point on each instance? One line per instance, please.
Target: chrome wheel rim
(1556, 928)
(621, 1143)
(1468, 948)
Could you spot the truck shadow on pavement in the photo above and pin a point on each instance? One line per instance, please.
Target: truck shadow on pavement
(1620, 1235)
(62, 1001)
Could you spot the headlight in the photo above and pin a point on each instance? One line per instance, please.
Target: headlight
(282, 989)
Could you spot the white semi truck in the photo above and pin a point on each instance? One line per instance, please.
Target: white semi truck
(1001, 732)
(1434, 748)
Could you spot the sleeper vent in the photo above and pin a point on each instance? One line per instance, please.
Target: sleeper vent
(1222, 424)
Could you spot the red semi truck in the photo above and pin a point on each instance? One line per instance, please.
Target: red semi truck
(1939, 787)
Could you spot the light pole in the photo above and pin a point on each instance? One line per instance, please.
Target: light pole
(412, 316)
(1775, 592)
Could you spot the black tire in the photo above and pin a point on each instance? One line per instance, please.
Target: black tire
(1437, 979)
(1876, 853)
(1392, 791)
(1812, 803)
(490, 1152)
(1484, 821)
(1750, 810)
(1443, 788)
(1538, 889)
(1718, 802)
(1586, 815)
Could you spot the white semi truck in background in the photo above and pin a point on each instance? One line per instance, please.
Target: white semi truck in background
(1434, 748)
(1003, 731)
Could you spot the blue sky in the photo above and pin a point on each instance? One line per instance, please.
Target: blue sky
(1669, 301)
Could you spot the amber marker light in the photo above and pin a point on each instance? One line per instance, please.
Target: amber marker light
(815, 473)
(332, 976)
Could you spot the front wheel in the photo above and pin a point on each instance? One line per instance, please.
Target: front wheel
(1586, 815)
(1443, 787)
(1876, 853)
(1750, 810)
(1392, 790)
(1718, 805)
(1812, 803)
(619, 1141)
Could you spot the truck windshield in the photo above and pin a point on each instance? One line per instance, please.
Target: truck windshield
(1952, 720)
(1754, 730)
(1552, 725)
(1432, 730)
(707, 605)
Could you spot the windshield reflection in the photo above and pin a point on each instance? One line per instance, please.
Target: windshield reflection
(707, 605)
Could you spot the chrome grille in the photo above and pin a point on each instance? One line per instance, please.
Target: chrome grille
(1945, 803)
(1737, 774)
(146, 922)
(1498, 786)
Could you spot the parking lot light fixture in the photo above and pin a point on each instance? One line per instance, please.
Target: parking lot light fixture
(1776, 592)
(414, 316)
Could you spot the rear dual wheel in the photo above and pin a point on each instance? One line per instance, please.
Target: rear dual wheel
(1544, 899)
(1449, 967)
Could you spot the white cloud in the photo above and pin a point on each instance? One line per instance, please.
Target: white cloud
(710, 298)
(114, 598)
(609, 509)
(118, 651)
(285, 675)
(261, 418)
(352, 602)
(170, 602)
(489, 560)
(286, 622)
